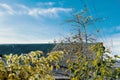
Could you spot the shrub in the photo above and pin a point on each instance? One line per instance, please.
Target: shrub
(31, 66)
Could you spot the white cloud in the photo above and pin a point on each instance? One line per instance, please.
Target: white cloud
(7, 8)
(33, 11)
(50, 12)
(46, 12)
(46, 3)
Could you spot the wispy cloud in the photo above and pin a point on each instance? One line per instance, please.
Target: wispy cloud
(45, 3)
(50, 12)
(7, 9)
(46, 12)
(33, 11)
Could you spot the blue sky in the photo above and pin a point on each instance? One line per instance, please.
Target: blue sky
(42, 21)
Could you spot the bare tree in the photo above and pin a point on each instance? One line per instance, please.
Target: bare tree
(80, 40)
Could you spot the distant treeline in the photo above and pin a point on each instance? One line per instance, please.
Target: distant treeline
(24, 48)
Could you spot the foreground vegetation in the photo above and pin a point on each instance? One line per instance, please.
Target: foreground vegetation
(31, 66)
(34, 66)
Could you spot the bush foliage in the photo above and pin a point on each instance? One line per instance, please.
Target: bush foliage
(31, 66)
(34, 66)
